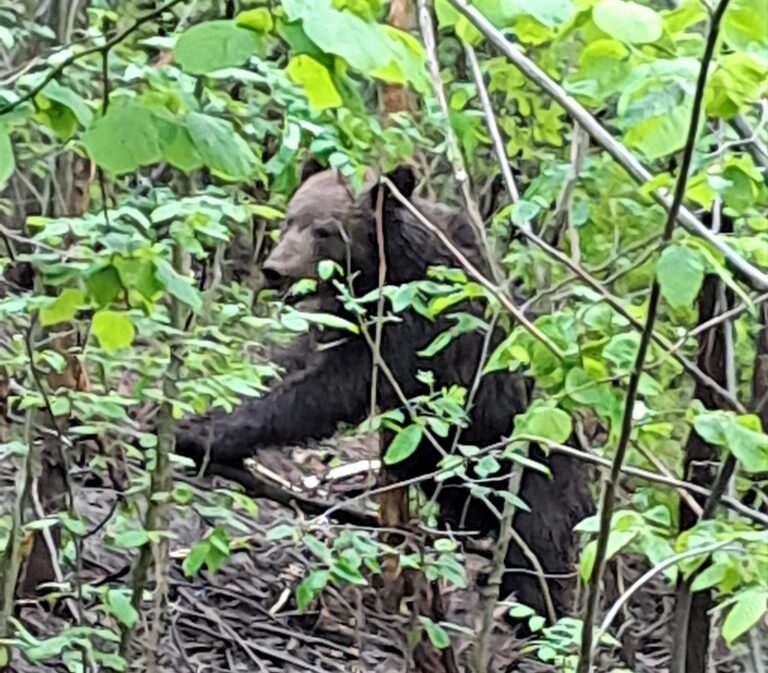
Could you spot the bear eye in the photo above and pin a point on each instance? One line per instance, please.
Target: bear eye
(322, 232)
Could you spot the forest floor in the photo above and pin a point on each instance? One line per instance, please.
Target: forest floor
(243, 618)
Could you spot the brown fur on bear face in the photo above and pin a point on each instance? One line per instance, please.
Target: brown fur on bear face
(316, 227)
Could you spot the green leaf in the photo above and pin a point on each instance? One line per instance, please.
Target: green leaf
(123, 139)
(220, 147)
(438, 636)
(316, 81)
(680, 271)
(214, 45)
(179, 286)
(258, 19)
(404, 444)
(745, 25)
(617, 540)
(543, 420)
(739, 80)
(7, 160)
(130, 539)
(195, 559)
(310, 587)
(628, 21)
(63, 307)
(177, 145)
(120, 605)
(318, 548)
(113, 329)
(740, 434)
(747, 611)
(375, 49)
(65, 96)
(104, 285)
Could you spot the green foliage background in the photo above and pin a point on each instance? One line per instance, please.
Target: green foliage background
(196, 123)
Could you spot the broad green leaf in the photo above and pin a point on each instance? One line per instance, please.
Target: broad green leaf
(195, 559)
(104, 285)
(316, 81)
(318, 548)
(214, 45)
(124, 139)
(542, 420)
(739, 434)
(130, 539)
(176, 145)
(258, 19)
(179, 286)
(404, 444)
(65, 96)
(745, 25)
(617, 540)
(680, 272)
(220, 146)
(375, 49)
(113, 329)
(709, 577)
(7, 160)
(739, 80)
(747, 611)
(119, 602)
(661, 134)
(438, 636)
(63, 307)
(628, 21)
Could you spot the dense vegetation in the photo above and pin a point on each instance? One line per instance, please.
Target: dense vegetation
(147, 151)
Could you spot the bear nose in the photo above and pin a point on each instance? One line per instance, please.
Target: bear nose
(273, 277)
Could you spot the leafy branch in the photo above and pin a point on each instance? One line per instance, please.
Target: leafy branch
(101, 49)
(756, 278)
(609, 490)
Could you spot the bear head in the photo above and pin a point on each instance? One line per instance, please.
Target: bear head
(326, 220)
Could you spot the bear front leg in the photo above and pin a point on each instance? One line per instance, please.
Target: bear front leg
(310, 402)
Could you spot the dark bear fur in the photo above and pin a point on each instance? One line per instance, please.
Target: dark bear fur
(327, 383)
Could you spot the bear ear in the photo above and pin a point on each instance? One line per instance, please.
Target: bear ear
(310, 167)
(403, 178)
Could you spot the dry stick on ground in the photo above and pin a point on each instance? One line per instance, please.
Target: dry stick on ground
(609, 490)
(753, 276)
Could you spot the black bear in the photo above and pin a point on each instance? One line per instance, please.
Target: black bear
(328, 374)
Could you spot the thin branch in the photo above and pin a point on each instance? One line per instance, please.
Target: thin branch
(756, 278)
(489, 594)
(88, 52)
(454, 151)
(569, 263)
(473, 271)
(649, 575)
(609, 492)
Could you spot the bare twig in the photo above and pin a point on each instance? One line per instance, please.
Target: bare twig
(754, 276)
(609, 492)
(454, 151)
(649, 575)
(473, 271)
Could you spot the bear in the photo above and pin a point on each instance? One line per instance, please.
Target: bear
(328, 374)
